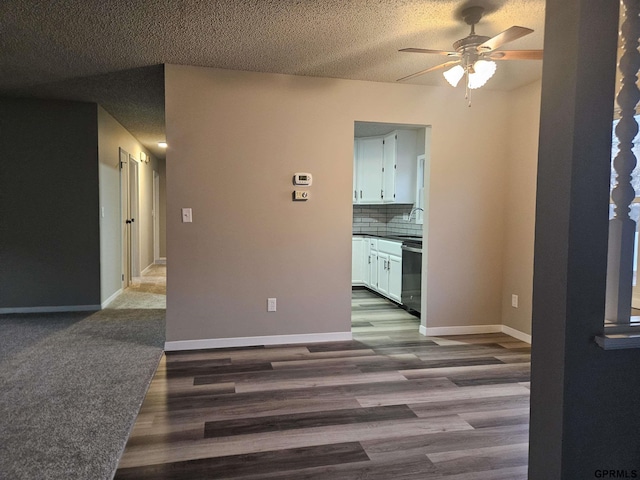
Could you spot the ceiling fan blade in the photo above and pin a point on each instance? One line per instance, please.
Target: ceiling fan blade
(426, 50)
(422, 72)
(509, 35)
(516, 55)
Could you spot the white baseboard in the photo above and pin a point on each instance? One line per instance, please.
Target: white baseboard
(474, 329)
(147, 269)
(525, 337)
(461, 330)
(66, 308)
(256, 341)
(160, 261)
(106, 303)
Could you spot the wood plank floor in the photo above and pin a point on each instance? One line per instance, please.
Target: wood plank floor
(391, 404)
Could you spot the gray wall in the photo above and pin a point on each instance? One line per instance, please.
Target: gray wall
(49, 239)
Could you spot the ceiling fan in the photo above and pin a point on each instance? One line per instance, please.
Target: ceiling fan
(475, 54)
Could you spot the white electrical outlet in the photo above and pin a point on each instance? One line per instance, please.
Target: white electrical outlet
(271, 304)
(514, 301)
(187, 215)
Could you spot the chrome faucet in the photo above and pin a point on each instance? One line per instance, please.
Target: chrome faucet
(414, 210)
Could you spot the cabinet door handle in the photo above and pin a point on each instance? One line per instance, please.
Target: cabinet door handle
(360, 193)
(355, 194)
(381, 194)
(369, 259)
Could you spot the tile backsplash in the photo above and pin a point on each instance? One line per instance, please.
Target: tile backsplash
(384, 220)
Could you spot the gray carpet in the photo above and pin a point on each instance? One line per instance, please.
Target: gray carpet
(71, 388)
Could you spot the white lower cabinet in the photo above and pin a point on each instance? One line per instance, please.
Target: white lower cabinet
(357, 260)
(366, 261)
(381, 266)
(383, 274)
(373, 264)
(395, 278)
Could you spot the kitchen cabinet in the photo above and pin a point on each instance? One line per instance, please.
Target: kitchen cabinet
(385, 168)
(357, 260)
(383, 274)
(399, 172)
(373, 264)
(366, 261)
(390, 269)
(368, 170)
(377, 264)
(395, 278)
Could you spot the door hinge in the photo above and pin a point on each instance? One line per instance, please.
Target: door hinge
(123, 277)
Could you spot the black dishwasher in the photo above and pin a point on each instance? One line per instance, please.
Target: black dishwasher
(411, 274)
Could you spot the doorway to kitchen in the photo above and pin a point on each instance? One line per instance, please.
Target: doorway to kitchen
(390, 165)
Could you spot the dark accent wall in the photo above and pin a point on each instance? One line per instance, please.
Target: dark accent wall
(49, 218)
(585, 418)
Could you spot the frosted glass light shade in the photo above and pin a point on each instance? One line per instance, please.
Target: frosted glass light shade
(453, 75)
(483, 71)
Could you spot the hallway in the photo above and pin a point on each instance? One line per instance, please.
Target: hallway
(147, 291)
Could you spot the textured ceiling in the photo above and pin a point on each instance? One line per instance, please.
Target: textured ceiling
(107, 50)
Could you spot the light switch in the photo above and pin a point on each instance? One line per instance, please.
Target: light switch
(186, 215)
(300, 195)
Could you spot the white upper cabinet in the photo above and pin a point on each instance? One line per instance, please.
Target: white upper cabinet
(385, 168)
(400, 166)
(368, 170)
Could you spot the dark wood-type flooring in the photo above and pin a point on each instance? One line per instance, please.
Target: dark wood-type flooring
(391, 404)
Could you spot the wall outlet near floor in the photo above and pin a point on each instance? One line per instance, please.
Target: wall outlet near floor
(271, 304)
(514, 301)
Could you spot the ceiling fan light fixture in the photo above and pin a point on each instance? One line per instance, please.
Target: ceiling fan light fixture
(453, 75)
(483, 71)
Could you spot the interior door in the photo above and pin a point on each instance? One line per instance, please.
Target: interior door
(134, 237)
(155, 213)
(125, 237)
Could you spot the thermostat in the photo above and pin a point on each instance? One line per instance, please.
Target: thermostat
(303, 179)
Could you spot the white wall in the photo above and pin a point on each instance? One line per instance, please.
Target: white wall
(236, 138)
(520, 202)
(111, 136)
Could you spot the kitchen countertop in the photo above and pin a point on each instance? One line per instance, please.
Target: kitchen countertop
(401, 238)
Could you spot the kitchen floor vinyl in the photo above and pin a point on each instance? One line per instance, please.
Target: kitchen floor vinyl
(389, 404)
